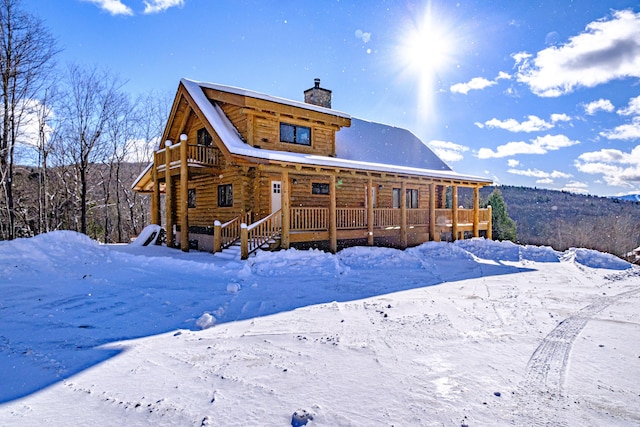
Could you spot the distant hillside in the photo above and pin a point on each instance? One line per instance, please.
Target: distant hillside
(563, 220)
(630, 197)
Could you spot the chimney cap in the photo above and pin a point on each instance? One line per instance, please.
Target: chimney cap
(316, 82)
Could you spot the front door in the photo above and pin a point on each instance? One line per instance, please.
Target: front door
(276, 196)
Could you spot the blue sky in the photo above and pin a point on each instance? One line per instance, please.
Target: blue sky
(540, 93)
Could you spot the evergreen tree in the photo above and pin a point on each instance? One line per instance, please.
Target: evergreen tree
(503, 227)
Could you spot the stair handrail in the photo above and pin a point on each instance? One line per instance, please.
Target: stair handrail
(253, 236)
(225, 235)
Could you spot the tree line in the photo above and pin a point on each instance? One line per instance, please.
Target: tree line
(72, 139)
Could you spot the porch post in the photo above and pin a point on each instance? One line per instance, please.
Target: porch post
(155, 196)
(432, 211)
(403, 215)
(454, 215)
(168, 193)
(370, 213)
(490, 225)
(333, 234)
(286, 211)
(184, 195)
(476, 211)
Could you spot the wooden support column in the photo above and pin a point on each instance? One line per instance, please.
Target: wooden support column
(476, 211)
(490, 225)
(333, 226)
(155, 196)
(403, 215)
(286, 211)
(370, 212)
(454, 210)
(184, 195)
(432, 212)
(169, 202)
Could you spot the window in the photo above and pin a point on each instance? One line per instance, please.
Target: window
(319, 188)
(396, 198)
(225, 195)
(191, 198)
(204, 138)
(294, 134)
(412, 198)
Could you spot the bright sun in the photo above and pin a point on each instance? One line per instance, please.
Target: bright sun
(427, 49)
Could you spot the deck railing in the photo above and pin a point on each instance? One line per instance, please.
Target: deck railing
(417, 216)
(309, 219)
(196, 154)
(253, 236)
(351, 218)
(386, 218)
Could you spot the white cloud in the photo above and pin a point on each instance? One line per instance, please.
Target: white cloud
(576, 187)
(560, 118)
(539, 145)
(608, 49)
(633, 109)
(537, 173)
(616, 167)
(114, 7)
(512, 163)
(599, 105)
(155, 6)
(532, 124)
(626, 131)
(476, 83)
(448, 151)
(544, 181)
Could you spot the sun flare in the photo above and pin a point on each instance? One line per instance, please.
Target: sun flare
(427, 49)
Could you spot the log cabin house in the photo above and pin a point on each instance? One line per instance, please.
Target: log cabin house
(237, 165)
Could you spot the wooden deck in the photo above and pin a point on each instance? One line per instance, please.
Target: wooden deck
(313, 225)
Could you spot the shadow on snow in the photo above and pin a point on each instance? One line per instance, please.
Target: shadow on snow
(64, 300)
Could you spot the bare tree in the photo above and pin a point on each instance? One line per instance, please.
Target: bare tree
(91, 99)
(27, 50)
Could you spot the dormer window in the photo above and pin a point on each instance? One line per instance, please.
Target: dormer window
(294, 134)
(204, 138)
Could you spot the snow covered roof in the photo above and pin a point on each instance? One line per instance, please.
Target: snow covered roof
(367, 146)
(379, 143)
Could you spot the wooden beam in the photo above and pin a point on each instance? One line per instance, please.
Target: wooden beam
(370, 212)
(454, 213)
(286, 210)
(476, 211)
(333, 225)
(403, 215)
(432, 212)
(184, 195)
(169, 202)
(155, 195)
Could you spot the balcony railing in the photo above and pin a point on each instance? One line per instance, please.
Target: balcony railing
(201, 155)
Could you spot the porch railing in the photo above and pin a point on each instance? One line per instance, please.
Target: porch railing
(309, 219)
(253, 236)
(351, 218)
(198, 154)
(386, 218)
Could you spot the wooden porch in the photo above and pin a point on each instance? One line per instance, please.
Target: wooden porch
(314, 224)
(400, 226)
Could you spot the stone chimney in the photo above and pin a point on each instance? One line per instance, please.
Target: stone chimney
(317, 95)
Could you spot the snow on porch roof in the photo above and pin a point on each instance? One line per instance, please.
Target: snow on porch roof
(372, 156)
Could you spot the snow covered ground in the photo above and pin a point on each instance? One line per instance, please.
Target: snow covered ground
(474, 333)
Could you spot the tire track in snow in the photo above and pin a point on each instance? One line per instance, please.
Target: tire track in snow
(546, 369)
